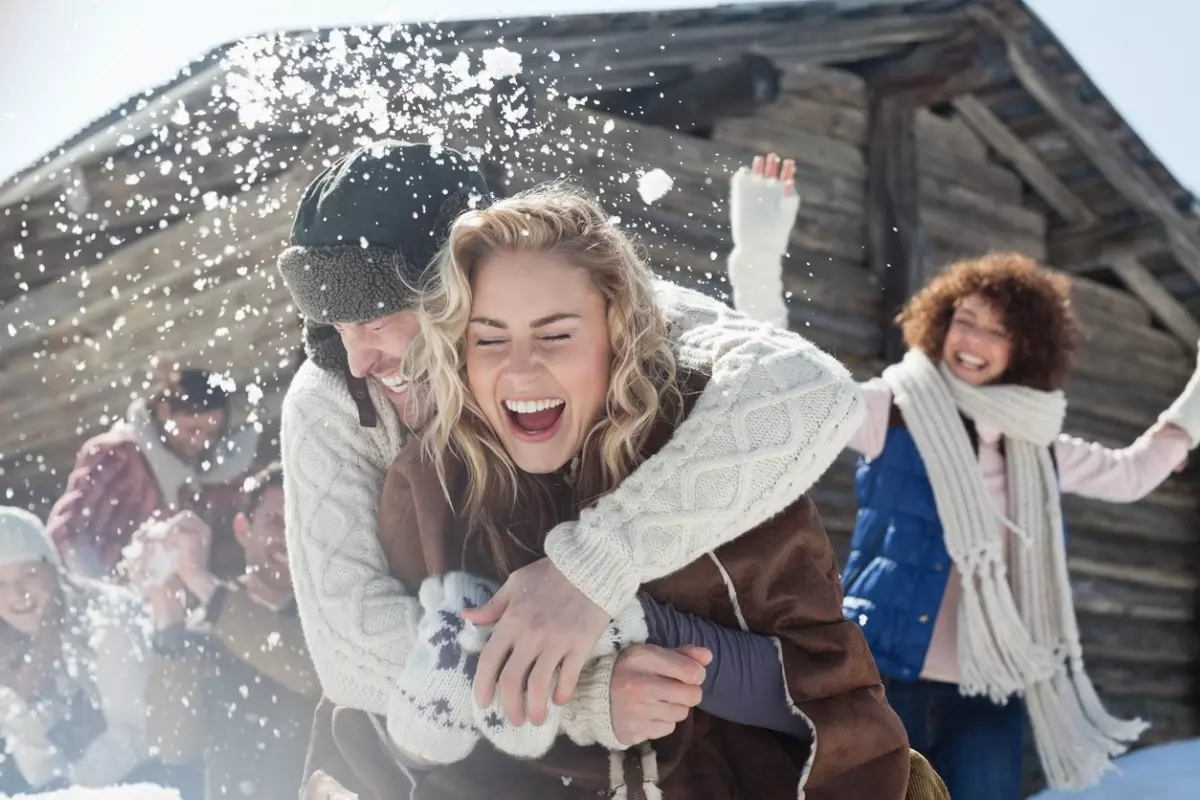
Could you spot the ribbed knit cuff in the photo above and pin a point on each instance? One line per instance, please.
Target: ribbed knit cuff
(587, 719)
(596, 562)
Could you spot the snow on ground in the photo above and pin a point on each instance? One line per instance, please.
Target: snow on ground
(141, 791)
(1166, 772)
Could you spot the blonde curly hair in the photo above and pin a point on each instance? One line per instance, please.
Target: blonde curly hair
(642, 387)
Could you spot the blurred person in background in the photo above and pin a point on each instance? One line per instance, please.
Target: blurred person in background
(172, 452)
(72, 671)
(231, 684)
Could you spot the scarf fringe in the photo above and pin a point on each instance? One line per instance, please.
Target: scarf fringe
(999, 658)
(1076, 738)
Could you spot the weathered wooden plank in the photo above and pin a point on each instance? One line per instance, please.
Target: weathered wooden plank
(1130, 601)
(850, 123)
(1087, 294)
(1115, 401)
(1137, 642)
(954, 199)
(702, 247)
(1157, 374)
(949, 133)
(821, 118)
(980, 118)
(1105, 153)
(980, 176)
(822, 84)
(1115, 679)
(943, 227)
(1132, 524)
(1174, 316)
(1131, 340)
(835, 156)
(895, 239)
(697, 101)
(939, 71)
(1092, 557)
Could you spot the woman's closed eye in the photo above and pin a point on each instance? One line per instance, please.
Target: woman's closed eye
(481, 342)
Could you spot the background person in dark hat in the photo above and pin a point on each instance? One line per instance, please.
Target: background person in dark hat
(366, 230)
(173, 451)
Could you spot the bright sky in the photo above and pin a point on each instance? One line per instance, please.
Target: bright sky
(65, 62)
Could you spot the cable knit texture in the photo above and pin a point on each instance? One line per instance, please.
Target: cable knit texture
(770, 422)
(772, 419)
(359, 621)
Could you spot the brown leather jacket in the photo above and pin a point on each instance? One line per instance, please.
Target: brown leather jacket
(779, 580)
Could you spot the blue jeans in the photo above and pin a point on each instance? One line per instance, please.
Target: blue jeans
(974, 744)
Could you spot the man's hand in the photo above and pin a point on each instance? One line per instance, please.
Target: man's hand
(654, 689)
(543, 623)
(190, 538)
(167, 603)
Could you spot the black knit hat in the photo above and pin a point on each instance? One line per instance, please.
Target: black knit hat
(365, 233)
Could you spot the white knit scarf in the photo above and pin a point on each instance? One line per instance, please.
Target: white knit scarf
(1019, 634)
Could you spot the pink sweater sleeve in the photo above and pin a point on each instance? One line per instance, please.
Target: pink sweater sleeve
(869, 439)
(1120, 476)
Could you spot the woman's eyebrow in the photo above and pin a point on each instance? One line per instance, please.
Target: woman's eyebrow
(541, 322)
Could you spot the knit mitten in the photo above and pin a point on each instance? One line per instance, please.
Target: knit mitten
(429, 712)
(1185, 411)
(762, 216)
(587, 719)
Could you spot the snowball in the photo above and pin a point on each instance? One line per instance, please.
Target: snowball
(500, 62)
(653, 185)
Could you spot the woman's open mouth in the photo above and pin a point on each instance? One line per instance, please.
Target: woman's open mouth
(534, 420)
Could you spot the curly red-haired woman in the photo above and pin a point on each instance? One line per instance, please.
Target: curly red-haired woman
(957, 572)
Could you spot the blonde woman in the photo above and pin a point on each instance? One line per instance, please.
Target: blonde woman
(549, 363)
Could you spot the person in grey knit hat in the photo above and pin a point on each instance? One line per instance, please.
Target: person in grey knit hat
(364, 235)
(72, 669)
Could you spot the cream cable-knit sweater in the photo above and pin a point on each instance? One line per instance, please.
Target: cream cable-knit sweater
(774, 416)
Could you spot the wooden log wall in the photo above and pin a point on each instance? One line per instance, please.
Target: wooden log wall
(205, 288)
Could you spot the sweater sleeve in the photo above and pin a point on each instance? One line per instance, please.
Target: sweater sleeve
(118, 638)
(742, 683)
(86, 517)
(358, 621)
(773, 417)
(1120, 476)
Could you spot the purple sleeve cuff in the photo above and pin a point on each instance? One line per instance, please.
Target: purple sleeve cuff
(744, 682)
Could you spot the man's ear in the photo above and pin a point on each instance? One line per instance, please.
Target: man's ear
(241, 528)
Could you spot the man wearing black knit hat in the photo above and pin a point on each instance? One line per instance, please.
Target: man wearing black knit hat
(777, 412)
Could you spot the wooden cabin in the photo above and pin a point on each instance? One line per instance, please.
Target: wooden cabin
(924, 131)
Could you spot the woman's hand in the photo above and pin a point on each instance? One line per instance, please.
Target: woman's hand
(543, 622)
(762, 211)
(654, 689)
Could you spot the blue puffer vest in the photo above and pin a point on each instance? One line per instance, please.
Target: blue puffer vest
(896, 574)
(898, 566)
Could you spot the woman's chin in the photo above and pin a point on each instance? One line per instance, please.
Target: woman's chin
(538, 459)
